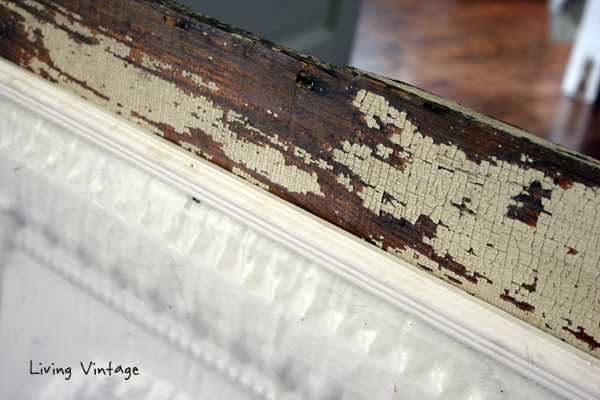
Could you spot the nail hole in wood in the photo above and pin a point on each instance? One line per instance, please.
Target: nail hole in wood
(303, 79)
(182, 24)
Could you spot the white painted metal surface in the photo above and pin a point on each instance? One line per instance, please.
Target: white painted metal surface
(109, 257)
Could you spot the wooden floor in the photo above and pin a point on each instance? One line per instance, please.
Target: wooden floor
(493, 56)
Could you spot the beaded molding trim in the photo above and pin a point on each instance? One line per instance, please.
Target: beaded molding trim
(564, 370)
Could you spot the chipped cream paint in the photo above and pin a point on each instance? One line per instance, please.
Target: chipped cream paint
(273, 114)
(233, 116)
(249, 178)
(468, 203)
(154, 64)
(300, 153)
(345, 180)
(191, 147)
(306, 156)
(152, 98)
(62, 9)
(323, 164)
(198, 80)
(383, 151)
(33, 4)
(520, 253)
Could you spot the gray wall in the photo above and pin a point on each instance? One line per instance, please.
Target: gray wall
(321, 28)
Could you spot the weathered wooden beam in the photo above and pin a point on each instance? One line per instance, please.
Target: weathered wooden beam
(487, 207)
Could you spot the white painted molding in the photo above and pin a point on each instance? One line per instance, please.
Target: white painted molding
(544, 359)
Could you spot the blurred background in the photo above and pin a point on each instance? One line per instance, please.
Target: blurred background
(504, 58)
(494, 56)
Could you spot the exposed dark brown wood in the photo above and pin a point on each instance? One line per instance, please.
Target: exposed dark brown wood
(476, 202)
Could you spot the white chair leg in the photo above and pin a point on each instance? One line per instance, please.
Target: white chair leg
(583, 69)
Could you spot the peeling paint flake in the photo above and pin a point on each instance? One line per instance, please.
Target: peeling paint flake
(33, 4)
(199, 81)
(154, 64)
(151, 101)
(497, 221)
(383, 151)
(191, 147)
(346, 182)
(266, 160)
(241, 173)
(72, 26)
(523, 241)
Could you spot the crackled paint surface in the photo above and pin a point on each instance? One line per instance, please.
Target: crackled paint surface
(483, 206)
(514, 235)
(158, 101)
(145, 271)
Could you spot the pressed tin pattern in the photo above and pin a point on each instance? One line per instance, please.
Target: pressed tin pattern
(484, 206)
(267, 320)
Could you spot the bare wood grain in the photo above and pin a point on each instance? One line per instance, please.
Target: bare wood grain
(489, 208)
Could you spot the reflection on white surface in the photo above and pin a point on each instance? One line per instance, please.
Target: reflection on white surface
(47, 320)
(103, 262)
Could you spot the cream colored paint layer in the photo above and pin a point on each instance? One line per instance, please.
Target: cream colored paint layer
(190, 147)
(117, 85)
(249, 178)
(478, 236)
(468, 202)
(228, 299)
